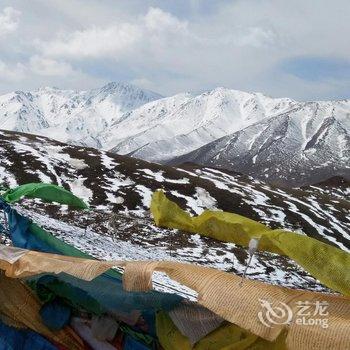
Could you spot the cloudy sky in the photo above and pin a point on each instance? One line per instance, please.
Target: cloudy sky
(296, 48)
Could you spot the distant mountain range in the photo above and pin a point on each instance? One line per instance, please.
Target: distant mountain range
(279, 140)
(80, 117)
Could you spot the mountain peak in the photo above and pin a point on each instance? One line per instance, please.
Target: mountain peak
(224, 92)
(126, 88)
(48, 89)
(113, 85)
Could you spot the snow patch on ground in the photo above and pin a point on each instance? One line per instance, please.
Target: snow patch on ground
(78, 188)
(6, 177)
(56, 152)
(146, 195)
(199, 202)
(204, 199)
(107, 161)
(158, 176)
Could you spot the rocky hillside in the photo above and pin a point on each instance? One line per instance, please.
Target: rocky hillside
(119, 190)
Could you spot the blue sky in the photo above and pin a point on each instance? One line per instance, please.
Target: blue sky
(317, 68)
(293, 48)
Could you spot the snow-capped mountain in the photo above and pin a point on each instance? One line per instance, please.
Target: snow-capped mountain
(280, 140)
(173, 126)
(277, 139)
(119, 188)
(72, 116)
(307, 144)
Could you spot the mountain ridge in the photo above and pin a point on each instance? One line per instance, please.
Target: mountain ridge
(70, 115)
(283, 158)
(245, 132)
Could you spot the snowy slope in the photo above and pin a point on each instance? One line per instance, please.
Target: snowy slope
(309, 144)
(176, 125)
(119, 190)
(71, 116)
(279, 140)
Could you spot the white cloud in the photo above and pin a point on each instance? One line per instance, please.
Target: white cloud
(9, 19)
(257, 37)
(93, 42)
(37, 65)
(39, 71)
(12, 73)
(116, 40)
(159, 20)
(144, 83)
(48, 66)
(171, 48)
